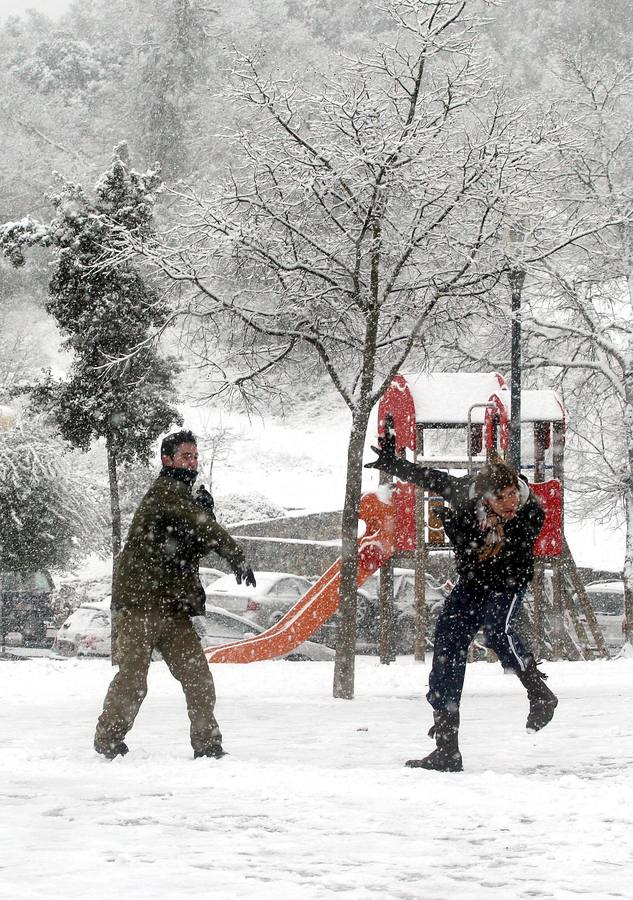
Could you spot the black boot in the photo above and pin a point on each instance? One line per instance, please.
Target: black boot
(111, 749)
(543, 702)
(215, 751)
(446, 757)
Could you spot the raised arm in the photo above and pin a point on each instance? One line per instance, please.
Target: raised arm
(434, 480)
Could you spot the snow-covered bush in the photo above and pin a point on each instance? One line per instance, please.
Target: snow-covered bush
(49, 515)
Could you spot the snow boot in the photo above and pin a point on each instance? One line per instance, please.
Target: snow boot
(215, 751)
(543, 702)
(446, 757)
(112, 749)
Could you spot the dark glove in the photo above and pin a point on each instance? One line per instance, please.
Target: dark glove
(243, 572)
(205, 500)
(387, 460)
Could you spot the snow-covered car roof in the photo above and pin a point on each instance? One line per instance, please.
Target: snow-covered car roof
(605, 587)
(96, 604)
(265, 580)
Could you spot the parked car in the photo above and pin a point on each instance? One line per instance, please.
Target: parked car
(368, 613)
(607, 601)
(208, 575)
(26, 611)
(86, 632)
(219, 626)
(275, 594)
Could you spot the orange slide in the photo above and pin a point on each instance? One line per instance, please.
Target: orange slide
(321, 602)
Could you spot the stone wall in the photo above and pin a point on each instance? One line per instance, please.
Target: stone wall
(302, 545)
(308, 558)
(324, 526)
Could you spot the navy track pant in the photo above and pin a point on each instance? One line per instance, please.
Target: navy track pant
(466, 610)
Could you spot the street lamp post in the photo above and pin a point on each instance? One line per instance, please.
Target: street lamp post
(516, 278)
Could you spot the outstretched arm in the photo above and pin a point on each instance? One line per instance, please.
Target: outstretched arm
(434, 480)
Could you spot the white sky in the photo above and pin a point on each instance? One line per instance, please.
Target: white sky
(17, 7)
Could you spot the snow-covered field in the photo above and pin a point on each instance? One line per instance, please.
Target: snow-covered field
(314, 801)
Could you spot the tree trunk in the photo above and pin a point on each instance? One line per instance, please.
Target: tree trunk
(627, 573)
(115, 512)
(343, 687)
(115, 506)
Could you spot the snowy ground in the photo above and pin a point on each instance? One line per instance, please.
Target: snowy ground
(314, 801)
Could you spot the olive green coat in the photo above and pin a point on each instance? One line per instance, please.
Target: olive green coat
(169, 534)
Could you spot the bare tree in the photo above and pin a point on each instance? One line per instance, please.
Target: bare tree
(581, 313)
(17, 350)
(358, 218)
(214, 443)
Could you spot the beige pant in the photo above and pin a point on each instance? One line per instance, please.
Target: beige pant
(139, 632)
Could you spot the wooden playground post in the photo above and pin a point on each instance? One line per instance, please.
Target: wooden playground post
(421, 612)
(558, 624)
(387, 618)
(538, 581)
(570, 570)
(386, 604)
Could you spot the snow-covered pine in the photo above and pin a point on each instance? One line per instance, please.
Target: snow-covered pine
(118, 388)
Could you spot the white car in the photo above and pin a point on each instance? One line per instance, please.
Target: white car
(86, 632)
(607, 600)
(209, 575)
(218, 626)
(275, 594)
(368, 613)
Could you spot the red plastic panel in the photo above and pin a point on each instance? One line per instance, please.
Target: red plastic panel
(502, 412)
(398, 401)
(550, 539)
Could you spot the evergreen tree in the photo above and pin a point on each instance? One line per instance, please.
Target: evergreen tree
(103, 312)
(172, 64)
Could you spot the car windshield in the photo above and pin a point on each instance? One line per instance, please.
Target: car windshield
(85, 616)
(31, 582)
(217, 624)
(36, 581)
(228, 585)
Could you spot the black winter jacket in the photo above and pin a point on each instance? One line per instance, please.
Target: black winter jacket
(513, 566)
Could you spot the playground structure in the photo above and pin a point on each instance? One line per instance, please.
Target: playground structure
(402, 526)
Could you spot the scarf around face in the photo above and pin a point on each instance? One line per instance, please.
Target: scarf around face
(492, 528)
(179, 474)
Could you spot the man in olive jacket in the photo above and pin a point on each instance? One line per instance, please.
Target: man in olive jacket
(156, 591)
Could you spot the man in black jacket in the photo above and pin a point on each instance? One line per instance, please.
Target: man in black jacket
(492, 522)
